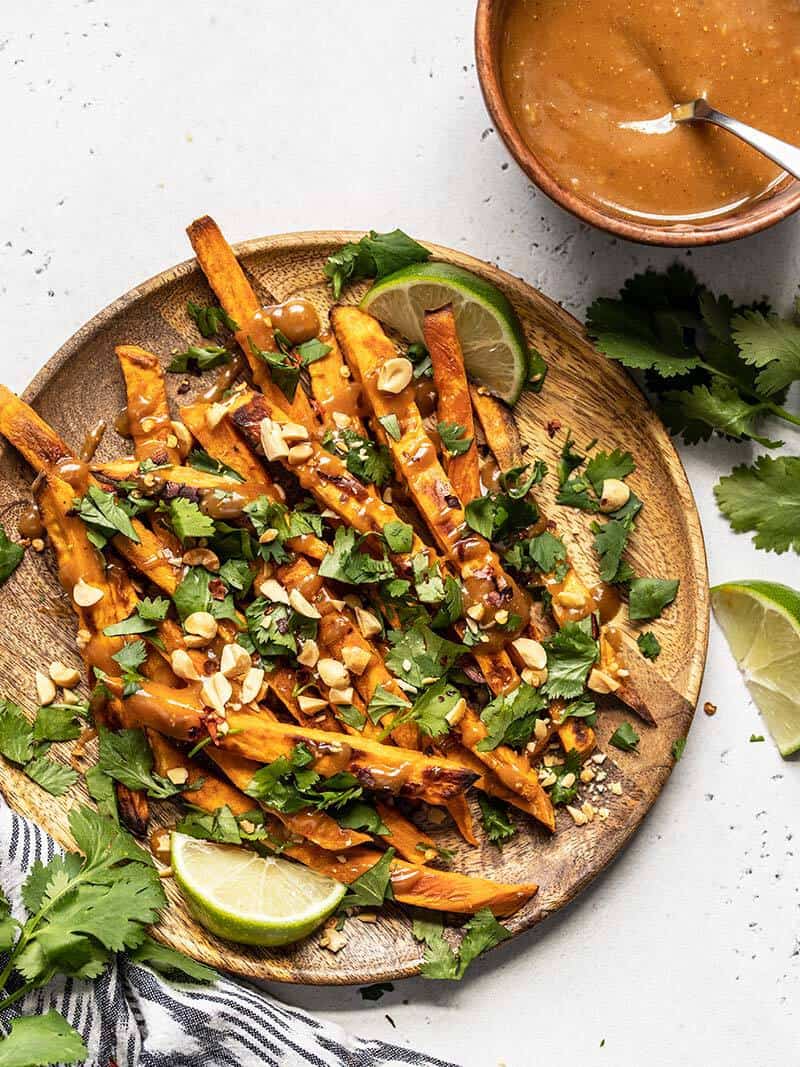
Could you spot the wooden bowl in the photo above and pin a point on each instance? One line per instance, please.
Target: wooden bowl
(774, 206)
(584, 391)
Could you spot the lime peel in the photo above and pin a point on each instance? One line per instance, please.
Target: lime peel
(761, 623)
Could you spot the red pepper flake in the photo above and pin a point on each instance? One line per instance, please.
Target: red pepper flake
(553, 426)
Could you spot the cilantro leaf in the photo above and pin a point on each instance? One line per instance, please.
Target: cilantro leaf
(359, 815)
(609, 541)
(53, 777)
(604, 465)
(452, 607)
(764, 499)
(649, 596)
(201, 461)
(571, 652)
(370, 463)
(497, 515)
(391, 424)
(346, 563)
(194, 594)
(574, 493)
(481, 933)
(565, 788)
(203, 357)
(187, 520)
(544, 553)
(289, 784)
(496, 819)
(104, 517)
(39, 1040)
(454, 438)
(419, 653)
(274, 627)
(16, 733)
(716, 408)
(399, 537)
(384, 700)
(311, 351)
(373, 886)
(624, 737)
(125, 756)
(283, 370)
(678, 748)
(56, 722)
(584, 708)
(374, 256)
(649, 645)
(771, 343)
(10, 556)
(167, 961)
(208, 318)
(149, 612)
(511, 717)
(428, 581)
(431, 709)
(537, 370)
(130, 658)
(101, 789)
(266, 514)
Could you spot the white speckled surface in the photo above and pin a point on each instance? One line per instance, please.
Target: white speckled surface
(123, 122)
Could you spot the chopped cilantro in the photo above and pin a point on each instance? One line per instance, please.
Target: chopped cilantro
(347, 563)
(649, 596)
(187, 520)
(605, 465)
(545, 553)
(201, 461)
(399, 537)
(610, 539)
(370, 463)
(678, 748)
(373, 886)
(454, 438)
(10, 556)
(418, 654)
(208, 318)
(496, 818)
(374, 256)
(511, 717)
(648, 645)
(565, 788)
(203, 357)
(571, 652)
(756, 737)
(104, 517)
(283, 370)
(625, 737)
(311, 351)
(481, 933)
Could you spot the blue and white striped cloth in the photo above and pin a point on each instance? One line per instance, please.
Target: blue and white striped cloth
(130, 1017)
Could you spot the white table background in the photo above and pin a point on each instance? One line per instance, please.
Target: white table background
(123, 121)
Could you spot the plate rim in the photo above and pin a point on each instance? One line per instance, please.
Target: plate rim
(278, 969)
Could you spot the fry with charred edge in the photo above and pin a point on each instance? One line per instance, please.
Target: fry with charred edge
(323, 474)
(225, 444)
(453, 404)
(490, 783)
(172, 481)
(382, 768)
(235, 294)
(512, 769)
(499, 429)
(412, 883)
(148, 408)
(576, 735)
(337, 396)
(41, 446)
(425, 887)
(316, 826)
(367, 350)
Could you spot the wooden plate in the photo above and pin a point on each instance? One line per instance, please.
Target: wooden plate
(584, 392)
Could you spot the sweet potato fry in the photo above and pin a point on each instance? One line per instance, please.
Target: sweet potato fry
(574, 734)
(499, 429)
(367, 349)
(316, 826)
(334, 392)
(214, 793)
(236, 295)
(461, 815)
(404, 837)
(148, 408)
(453, 403)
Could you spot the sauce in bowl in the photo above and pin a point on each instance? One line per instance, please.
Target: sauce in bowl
(590, 85)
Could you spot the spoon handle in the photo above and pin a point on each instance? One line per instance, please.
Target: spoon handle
(780, 152)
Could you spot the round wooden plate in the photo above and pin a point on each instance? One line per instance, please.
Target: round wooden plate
(584, 392)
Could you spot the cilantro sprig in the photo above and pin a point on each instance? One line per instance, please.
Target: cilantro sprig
(374, 256)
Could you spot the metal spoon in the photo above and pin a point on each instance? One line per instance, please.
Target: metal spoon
(785, 155)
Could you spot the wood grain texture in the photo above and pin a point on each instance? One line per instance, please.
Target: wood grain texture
(584, 391)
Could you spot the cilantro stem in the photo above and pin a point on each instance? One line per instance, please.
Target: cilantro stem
(765, 405)
(18, 995)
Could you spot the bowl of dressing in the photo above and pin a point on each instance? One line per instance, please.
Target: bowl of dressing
(581, 92)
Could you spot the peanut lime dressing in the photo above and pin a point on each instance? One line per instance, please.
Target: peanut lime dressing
(577, 73)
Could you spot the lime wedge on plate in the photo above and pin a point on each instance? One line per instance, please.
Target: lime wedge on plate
(252, 899)
(761, 622)
(491, 335)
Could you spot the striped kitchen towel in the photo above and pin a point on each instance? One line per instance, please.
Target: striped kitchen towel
(131, 1017)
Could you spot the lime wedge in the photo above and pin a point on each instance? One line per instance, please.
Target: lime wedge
(491, 335)
(252, 899)
(761, 622)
